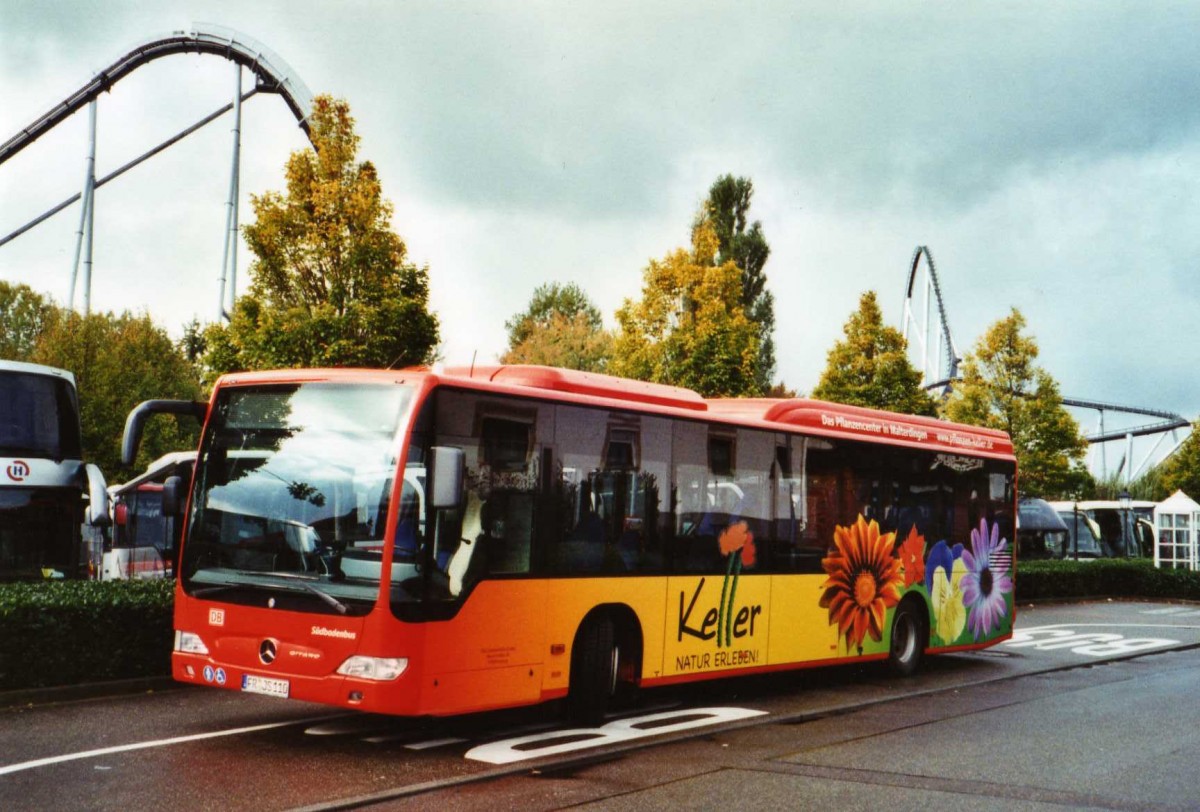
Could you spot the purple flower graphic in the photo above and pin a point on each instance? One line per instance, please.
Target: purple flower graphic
(988, 579)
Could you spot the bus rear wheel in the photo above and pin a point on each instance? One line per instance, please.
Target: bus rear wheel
(595, 664)
(908, 639)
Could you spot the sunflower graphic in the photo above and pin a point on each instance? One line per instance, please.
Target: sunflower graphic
(865, 580)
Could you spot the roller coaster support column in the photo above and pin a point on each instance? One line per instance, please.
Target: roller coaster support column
(1128, 460)
(86, 219)
(229, 259)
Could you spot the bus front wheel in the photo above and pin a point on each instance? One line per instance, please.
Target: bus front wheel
(595, 663)
(908, 639)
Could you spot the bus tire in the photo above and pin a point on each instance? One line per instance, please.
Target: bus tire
(909, 634)
(595, 661)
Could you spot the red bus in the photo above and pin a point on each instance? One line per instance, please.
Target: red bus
(432, 543)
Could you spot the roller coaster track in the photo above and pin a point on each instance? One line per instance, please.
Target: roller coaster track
(273, 75)
(939, 371)
(1168, 421)
(939, 368)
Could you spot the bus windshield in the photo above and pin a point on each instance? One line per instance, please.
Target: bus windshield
(38, 417)
(291, 481)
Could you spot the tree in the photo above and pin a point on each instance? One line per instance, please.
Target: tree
(192, 344)
(331, 282)
(23, 315)
(1003, 388)
(560, 327)
(548, 300)
(726, 211)
(1181, 471)
(870, 367)
(118, 362)
(689, 328)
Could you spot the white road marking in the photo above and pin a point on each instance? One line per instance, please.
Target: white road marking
(1090, 644)
(125, 748)
(554, 742)
(429, 745)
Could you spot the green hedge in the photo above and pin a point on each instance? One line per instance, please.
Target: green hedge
(71, 632)
(1104, 578)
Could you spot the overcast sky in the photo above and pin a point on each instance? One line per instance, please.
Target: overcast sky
(1048, 153)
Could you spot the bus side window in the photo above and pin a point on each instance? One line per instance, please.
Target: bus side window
(756, 458)
(507, 532)
(605, 492)
(695, 548)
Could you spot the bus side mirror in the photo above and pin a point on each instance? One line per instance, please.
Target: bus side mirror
(137, 421)
(97, 512)
(446, 488)
(172, 496)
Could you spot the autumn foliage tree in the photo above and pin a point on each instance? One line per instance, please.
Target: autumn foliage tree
(119, 361)
(690, 327)
(1181, 471)
(870, 366)
(332, 284)
(561, 327)
(23, 316)
(1003, 388)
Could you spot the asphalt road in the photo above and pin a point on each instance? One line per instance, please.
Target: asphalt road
(1090, 705)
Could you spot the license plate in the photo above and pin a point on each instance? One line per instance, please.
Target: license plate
(265, 685)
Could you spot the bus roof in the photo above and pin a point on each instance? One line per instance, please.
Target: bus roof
(839, 420)
(814, 417)
(1100, 504)
(36, 369)
(155, 472)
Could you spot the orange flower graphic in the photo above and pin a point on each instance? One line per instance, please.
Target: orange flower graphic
(738, 537)
(864, 581)
(912, 558)
(736, 542)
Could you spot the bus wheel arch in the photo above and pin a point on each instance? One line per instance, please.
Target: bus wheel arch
(909, 636)
(605, 661)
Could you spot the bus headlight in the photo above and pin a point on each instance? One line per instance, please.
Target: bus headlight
(380, 669)
(189, 643)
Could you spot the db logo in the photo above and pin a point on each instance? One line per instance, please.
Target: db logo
(18, 470)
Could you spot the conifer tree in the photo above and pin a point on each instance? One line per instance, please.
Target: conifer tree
(742, 242)
(1002, 387)
(690, 328)
(869, 367)
(332, 282)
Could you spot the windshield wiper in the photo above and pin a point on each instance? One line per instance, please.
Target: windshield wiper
(304, 582)
(298, 580)
(215, 588)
